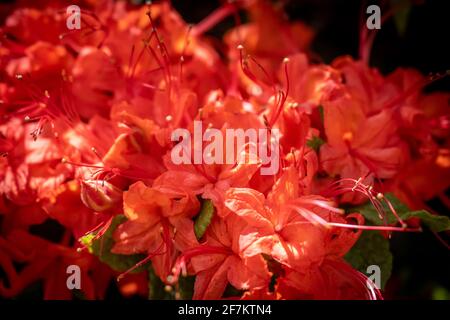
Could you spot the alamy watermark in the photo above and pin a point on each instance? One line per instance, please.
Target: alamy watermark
(374, 20)
(374, 276)
(228, 146)
(74, 279)
(73, 20)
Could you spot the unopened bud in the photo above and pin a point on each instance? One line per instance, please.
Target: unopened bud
(100, 195)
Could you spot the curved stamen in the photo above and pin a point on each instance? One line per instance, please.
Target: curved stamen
(284, 95)
(155, 253)
(180, 264)
(351, 185)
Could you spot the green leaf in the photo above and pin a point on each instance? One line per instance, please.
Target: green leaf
(370, 213)
(371, 249)
(436, 223)
(315, 143)
(440, 293)
(204, 218)
(102, 246)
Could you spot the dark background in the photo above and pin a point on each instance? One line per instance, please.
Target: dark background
(425, 44)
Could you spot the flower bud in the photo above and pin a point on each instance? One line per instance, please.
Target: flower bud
(100, 195)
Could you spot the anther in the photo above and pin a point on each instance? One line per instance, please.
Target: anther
(356, 184)
(168, 288)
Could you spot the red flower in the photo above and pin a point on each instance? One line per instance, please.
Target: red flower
(48, 262)
(359, 145)
(159, 225)
(218, 260)
(293, 229)
(332, 280)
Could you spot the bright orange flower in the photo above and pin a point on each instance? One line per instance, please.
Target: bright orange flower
(309, 82)
(332, 280)
(68, 196)
(158, 225)
(29, 170)
(290, 227)
(218, 261)
(268, 39)
(209, 181)
(357, 144)
(95, 79)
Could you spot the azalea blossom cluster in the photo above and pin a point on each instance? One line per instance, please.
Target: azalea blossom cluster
(86, 138)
